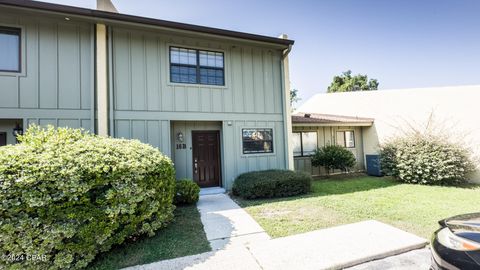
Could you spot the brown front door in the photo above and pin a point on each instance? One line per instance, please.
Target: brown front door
(206, 158)
(3, 138)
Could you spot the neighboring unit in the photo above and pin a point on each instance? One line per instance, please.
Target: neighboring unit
(215, 101)
(449, 111)
(313, 130)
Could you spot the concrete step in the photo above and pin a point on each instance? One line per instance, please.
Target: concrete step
(212, 191)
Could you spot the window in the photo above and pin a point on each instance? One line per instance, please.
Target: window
(10, 49)
(297, 144)
(346, 139)
(304, 143)
(196, 66)
(257, 140)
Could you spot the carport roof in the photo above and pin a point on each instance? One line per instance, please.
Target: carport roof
(315, 119)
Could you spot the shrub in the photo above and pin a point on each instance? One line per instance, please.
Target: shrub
(426, 159)
(333, 157)
(271, 184)
(186, 192)
(67, 195)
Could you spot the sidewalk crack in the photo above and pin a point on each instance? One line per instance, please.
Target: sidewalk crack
(255, 258)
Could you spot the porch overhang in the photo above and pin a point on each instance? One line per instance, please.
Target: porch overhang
(328, 120)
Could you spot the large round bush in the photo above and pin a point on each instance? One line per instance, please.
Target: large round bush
(67, 195)
(333, 157)
(271, 184)
(426, 159)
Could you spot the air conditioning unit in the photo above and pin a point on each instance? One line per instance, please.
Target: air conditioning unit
(373, 165)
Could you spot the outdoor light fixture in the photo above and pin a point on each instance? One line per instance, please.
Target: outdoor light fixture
(180, 137)
(17, 131)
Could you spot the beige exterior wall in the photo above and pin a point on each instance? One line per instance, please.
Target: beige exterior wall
(327, 136)
(101, 79)
(454, 109)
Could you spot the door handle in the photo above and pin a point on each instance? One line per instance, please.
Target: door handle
(195, 165)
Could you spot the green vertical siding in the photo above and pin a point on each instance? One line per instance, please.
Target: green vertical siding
(56, 87)
(56, 83)
(141, 83)
(251, 97)
(153, 132)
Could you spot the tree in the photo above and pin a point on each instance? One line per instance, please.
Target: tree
(348, 83)
(294, 98)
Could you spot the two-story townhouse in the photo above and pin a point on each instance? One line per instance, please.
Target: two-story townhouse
(215, 101)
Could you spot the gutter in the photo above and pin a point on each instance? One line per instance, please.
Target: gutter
(103, 15)
(287, 51)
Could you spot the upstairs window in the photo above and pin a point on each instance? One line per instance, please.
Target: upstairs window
(346, 138)
(196, 66)
(10, 49)
(304, 143)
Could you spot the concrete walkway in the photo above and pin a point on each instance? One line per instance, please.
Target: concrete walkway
(238, 242)
(226, 224)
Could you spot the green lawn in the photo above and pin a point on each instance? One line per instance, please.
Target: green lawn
(413, 208)
(185, 236)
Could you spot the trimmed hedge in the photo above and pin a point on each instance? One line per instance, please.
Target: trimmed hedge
(186, 192)
(426, 159)
(271, 184)
(66, 195)
(333, 157)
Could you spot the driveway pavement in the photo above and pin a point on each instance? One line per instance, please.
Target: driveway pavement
(335, 248)
(239, 242)
(413, 260)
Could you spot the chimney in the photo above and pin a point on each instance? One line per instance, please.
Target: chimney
(106, 5)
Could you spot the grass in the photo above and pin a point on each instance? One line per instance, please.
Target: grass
(185, 236)
(413, 208)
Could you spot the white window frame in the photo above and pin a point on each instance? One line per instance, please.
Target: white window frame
(345, 138)
(301, 141)
(226, 64)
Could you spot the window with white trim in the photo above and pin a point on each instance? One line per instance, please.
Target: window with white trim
(196, 66)
(346, 138)
(304, 143)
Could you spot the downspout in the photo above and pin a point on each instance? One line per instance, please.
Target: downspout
(287, 119)
(286, 51)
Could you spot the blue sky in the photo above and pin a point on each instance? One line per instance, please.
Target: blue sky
(402, 43)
